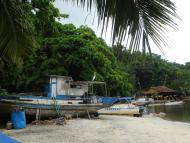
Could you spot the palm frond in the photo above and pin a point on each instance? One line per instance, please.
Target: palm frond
(138, 19)
(15, 35)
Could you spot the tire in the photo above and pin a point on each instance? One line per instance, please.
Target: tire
(96, 114)
(136, 115)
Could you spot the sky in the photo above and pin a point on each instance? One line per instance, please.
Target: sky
(179, 51)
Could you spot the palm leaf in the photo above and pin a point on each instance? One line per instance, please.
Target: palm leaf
(139, 20)
(15, 35)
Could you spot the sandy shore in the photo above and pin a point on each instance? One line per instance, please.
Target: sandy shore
(107, 129)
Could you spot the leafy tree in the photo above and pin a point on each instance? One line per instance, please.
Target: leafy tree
(182, 81)
(71, 51)
(77, 53)
(147, 70)
(136, 19)
(16, 31)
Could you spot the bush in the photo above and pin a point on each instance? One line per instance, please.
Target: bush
(3, 92)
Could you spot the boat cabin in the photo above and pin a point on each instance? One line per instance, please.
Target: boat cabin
(62, 86)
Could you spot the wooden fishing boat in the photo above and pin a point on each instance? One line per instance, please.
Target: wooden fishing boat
(64, 97)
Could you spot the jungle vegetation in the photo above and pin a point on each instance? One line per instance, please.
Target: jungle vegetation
(135, 21)
(44, 47)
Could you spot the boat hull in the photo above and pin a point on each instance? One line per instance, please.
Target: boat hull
(122, 109)
(74, 110)
(5, 111)
(50, 110)
(174, 103)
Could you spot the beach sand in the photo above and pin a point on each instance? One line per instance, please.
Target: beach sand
(106, 129)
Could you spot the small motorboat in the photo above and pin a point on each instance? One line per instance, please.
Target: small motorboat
(142, 101)
(174, 103)
(122, 109)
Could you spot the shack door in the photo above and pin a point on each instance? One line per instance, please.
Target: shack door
(54, 87)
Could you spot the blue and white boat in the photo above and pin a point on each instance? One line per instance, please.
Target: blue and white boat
(64, 96)
(122, 109)
(121, 106)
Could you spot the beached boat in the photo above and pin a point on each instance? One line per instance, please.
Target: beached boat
(122, 109)
(121, 106)
(64, 96)
(170, 103)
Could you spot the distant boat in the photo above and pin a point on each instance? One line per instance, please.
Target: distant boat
(174, 103)
(122, 109)
(142, 101)
(64, 96)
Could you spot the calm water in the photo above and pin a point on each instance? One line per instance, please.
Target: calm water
(175, 112)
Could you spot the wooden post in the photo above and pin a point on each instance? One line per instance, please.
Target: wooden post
(88, 115)
(38, 114)
(77, 115)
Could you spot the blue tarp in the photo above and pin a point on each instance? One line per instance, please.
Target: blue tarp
(129, 99)
(5, 139)
(108, 100)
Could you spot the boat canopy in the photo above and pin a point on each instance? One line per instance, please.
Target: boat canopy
(112, 100)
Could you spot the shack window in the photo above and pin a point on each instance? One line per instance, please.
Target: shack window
(76, 86)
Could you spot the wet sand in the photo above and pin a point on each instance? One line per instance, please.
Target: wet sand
(106, 129)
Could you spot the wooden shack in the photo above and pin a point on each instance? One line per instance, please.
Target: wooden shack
(160, 93)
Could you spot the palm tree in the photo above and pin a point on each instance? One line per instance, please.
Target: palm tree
(15, 32)
(136, 21)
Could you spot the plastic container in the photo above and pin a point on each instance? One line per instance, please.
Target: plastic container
(18, 119)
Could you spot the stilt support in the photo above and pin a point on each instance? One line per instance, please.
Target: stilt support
(77, 115)
(88, 115)
(38, 114)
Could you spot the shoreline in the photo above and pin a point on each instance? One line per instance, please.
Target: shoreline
(174, 121)
(166, 119)
(106, 129)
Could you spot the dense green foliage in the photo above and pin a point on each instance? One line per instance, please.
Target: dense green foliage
(134, 19)
(146, 70)
(77, 52)
(16, 31)
(66, 50)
